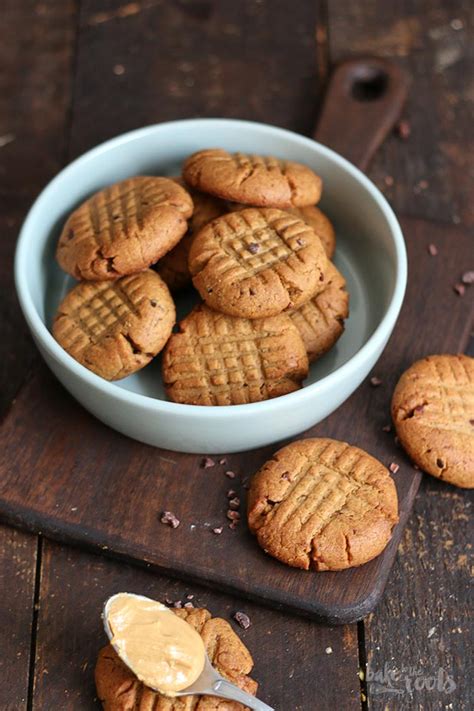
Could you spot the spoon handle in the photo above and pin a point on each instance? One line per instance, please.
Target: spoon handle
(226, 690)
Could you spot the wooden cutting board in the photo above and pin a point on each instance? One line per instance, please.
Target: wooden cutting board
(64, 474)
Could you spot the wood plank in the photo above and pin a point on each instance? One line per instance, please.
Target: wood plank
(44, 489)
(433, 42)
(17, 589)
(154, 61)
(74, 586)
(36, 50)
(423, 622)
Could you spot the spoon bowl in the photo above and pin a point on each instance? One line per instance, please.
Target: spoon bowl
(209, 682)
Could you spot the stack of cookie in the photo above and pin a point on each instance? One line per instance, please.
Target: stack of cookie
(257, 250)
(258, 254)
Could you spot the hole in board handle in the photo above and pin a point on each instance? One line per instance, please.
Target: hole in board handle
(369, 83)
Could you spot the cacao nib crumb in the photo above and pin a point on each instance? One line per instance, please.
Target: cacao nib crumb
(253, 248)
(207, 462)
(169, 519)
(243, 620)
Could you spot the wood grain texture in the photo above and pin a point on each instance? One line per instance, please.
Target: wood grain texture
(36, 51)
(74, 586)
(96, 497)
(432, 41)
(158, 61)
(17, 588)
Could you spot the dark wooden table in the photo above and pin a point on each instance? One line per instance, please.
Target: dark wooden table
(75, 72)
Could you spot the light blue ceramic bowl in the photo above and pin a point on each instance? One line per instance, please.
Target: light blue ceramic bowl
(370, 253)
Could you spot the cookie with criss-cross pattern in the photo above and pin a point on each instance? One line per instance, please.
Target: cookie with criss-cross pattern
(173, 267)
(322, 504)
(313, 216)
(116, 328)
(252, 179)
(257, 262)
(119, 689)
(221, 360)
(124, 228)
(433, 413)
(320, 320)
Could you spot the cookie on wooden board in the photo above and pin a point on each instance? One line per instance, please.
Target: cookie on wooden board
(322, 504)
(257, 262)
(320, 320)
(173, 266)
(433, 413)
(119, 689)
(124, 228)
(116, 328)
(252, 179)
(221, 360)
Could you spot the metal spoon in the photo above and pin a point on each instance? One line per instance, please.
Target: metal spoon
(209, 683)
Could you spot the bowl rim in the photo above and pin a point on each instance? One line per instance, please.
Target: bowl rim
(109, 389)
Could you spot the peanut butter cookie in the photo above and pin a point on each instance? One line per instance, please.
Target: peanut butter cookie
(124, 228)
(221, 360)
(321, 320)
(251, 179)
(116, 328)
(433, 413)
(313, 216)
(173, 267)
(257, 262)
(119, 689)
(322, 504)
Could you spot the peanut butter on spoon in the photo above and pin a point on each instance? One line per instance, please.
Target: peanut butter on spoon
(164, 651)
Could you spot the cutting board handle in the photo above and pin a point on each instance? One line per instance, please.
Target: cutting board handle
(363, 102)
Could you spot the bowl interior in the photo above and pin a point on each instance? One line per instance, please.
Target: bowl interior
(365, 252)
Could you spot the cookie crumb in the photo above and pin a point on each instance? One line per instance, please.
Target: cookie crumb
(457, 24)
(375, 381)
(178, 604)
(188, 605)
(433, 250)
(118, 70)
(460, 289)
(169, 519)
(243, 620)
(403, 129)
(190, 597)
(253, 247)
(468, 277)
(394, 467)
(388, 180)
(223, 460)
(218, 530)
(207, 462)
(230, 474)
(301, 242)
(328, 650)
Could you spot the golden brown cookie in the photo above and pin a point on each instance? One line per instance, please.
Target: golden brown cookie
(321, 320)
(116, 328)
(221, 360)
(257, 262)
(321, 224)
(119, 689)
(124, 228)
(251, 179)
(173, 267)
(312, 215)
(322, 504)
(433, 413)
